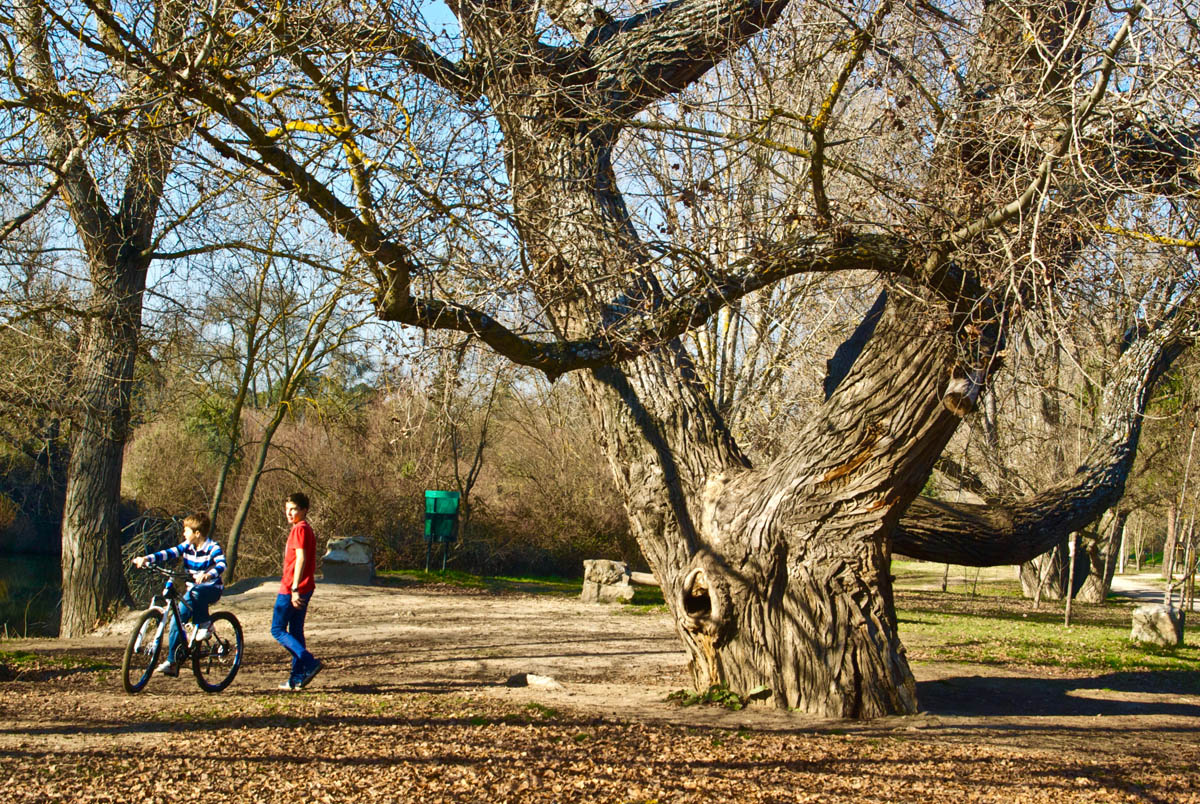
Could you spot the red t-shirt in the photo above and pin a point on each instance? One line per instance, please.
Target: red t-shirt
(301, 537)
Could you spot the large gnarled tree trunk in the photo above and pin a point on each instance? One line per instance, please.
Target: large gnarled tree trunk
(778, 576)
(93, 580)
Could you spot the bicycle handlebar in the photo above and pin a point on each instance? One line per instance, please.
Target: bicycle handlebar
(173, 574)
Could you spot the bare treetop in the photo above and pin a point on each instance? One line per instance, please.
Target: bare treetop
(897, 128)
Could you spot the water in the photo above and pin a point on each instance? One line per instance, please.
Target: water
(29, 595)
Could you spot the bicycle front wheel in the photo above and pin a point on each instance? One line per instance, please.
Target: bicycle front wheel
(142, 651)
(216, 658)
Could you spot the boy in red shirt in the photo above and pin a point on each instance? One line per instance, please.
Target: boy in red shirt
(295, 589)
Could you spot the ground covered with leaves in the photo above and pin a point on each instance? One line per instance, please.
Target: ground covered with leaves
(422, 701)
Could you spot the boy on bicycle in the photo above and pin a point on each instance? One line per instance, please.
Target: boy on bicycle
(204, 561)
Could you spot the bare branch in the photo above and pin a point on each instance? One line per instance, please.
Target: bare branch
(988, 535)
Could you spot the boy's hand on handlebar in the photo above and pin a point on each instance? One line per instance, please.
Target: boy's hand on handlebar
(140, 562)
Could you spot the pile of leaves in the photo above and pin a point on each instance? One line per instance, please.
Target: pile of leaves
(449, 746)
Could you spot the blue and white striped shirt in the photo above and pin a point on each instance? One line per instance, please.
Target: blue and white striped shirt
(206, 558)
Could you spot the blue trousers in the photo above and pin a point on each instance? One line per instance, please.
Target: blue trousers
(193, 608)
(287, 626)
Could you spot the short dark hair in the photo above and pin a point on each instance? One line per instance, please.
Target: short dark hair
(198, 522)
(299, 499)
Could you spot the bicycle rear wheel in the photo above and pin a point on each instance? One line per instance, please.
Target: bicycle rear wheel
(141, 653)
(216, 658)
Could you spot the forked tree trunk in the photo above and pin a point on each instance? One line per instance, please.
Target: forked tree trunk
(778, 577)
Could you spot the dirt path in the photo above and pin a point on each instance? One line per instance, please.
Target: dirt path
(416, 666)
(1145, 587)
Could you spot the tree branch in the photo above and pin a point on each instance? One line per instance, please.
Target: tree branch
(858, 48)
(463, 79)
(92, 217)
(685, 39)
(991, 535)
(642, 331)
(1158, 158)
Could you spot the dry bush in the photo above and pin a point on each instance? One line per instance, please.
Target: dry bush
(167, 466)
(552, 486)
(542, 504)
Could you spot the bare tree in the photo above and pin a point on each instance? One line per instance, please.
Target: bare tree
(977, 162)
(107, 140)
(38, 340)
(288, 331)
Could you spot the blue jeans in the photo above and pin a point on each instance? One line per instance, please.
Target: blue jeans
(193, 608)
(287, 626)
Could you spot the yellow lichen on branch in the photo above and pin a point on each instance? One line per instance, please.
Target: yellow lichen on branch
(320, 128)
(1161, 240)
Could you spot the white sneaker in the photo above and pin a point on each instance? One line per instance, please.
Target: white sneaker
(202, 631)
(167, 669)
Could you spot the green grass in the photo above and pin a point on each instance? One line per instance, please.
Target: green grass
(541, 711)
(22, 659)
(999, 631)
(532, 584)
(984, 581)
(646, 600)
(983, 618)
(30, 666)
(716, 695)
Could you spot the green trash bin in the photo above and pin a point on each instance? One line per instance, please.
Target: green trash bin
(441, 522)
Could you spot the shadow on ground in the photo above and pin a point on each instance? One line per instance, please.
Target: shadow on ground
(998, 696)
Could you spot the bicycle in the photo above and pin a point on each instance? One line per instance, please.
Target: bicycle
(215, 657)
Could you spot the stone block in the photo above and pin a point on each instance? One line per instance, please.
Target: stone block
(350, 560)
(606, 581)
(601, 570)
(1157, 625)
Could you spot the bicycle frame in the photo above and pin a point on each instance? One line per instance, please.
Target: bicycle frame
(170, 613)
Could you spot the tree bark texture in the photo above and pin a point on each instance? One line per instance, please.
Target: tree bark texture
(778, 577)
(93, 581)
(1102, 550)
